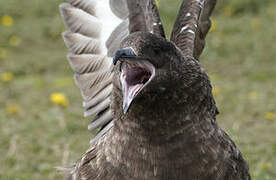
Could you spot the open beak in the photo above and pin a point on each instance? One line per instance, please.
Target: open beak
(136, 73)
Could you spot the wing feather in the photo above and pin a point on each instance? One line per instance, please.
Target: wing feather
(87, 5)
(95, 31)
(144, 16)
(192, 26)
(80, 44)
(105, 93)
(186, 24)
(91, 80)
(102, 132)
(80, 21)
(119, 8)
(98, 108)
(89, 93)
(116, 36)
(101, 120)
(204, 26)
(85, 63)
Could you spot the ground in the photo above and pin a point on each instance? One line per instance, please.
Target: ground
(41, 123)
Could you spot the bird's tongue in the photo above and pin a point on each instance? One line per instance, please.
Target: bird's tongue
(134, 77)
(129, 93)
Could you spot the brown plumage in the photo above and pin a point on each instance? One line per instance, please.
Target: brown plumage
(158, 119)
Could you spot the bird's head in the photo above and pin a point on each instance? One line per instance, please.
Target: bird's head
(146, 68)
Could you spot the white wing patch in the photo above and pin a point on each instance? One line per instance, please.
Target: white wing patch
(108, 20)
(94, 34)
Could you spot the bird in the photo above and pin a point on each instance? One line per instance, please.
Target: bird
(150, 98)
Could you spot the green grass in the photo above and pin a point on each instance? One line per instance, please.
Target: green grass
(239, 58)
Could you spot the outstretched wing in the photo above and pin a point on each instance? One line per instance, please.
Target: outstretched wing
(144, 16)
(192, 25)
(95, 30)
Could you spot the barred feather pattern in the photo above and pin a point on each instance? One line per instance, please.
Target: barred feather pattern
(95, 31)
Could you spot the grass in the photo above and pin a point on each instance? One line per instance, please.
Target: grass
(36, 136)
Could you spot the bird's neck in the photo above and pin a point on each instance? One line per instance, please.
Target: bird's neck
(154, 125)
(156, 143)
(157, 137)
(159, 121)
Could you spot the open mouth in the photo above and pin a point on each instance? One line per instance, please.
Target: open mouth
(135, 75)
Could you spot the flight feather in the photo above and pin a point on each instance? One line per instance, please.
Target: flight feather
(192, 25)
(95, 30)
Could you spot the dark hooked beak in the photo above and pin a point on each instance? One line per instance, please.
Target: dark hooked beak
(125, 53)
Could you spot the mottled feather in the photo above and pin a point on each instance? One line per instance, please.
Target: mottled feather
(192, 25)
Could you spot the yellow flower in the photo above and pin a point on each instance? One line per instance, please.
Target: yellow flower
(12, 109)
(6, 77)
(270, 116)
(59, 99)
(157, 3)
(213, 25)
(3, 53)
(266, 165)
(15, 41)
(253, 95)
(215, 91)
(255, 23)
(227, 10)
(7, 20)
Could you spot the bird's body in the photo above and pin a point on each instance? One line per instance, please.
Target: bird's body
(163, 142)
(127, 157)
(155, 108)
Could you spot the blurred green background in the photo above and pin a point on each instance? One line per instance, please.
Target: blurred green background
(41, 123)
